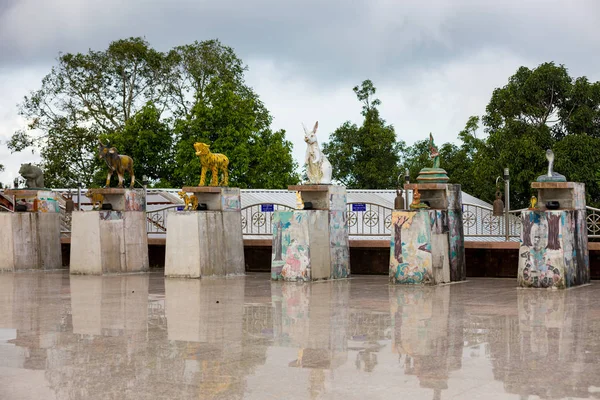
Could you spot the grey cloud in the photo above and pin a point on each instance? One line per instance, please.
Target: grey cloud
(328, 40)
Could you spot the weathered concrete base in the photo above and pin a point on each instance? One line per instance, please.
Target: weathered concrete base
(553, 253)
(419, 247)
(30, 240)
(310, 245)
(204, 243)
(104, 242)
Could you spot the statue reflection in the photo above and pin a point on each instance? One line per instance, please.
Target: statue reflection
(313, 319)
(109, 305)
(548, 347)
(427, 333)
(28, 324)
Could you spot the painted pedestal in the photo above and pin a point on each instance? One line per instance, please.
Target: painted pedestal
(312, 244)
(31, 239)
(554, 247)
(427, 245)
(207, 242)
(111, 241)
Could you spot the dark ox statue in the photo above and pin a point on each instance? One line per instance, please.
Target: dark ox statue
(116, 163)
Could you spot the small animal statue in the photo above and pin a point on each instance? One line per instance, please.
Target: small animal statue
(416, 203)
(318, 168)
(33, 175)
(533, 203)
(551, 176)
(214, 162)
(116, 163)
(191, 202)
(96, 198)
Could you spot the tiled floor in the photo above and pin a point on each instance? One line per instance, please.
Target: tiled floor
(141, 337)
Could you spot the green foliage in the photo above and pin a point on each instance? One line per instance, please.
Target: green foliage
(539, 109)
(577, 157)
(148, 140)
(365, 157)
(121, 93)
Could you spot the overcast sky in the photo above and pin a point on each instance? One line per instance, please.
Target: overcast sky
(434, 63)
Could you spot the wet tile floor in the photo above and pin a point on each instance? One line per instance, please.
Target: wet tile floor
(144, 337)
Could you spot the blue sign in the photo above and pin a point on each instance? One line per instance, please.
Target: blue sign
(180, 208)
(359, 207)
(267, 207)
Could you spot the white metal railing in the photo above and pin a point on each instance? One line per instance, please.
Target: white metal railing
(364, 219)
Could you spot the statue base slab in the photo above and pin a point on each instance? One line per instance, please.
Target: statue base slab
(36, 200)
(122, 199)
(216, 198)
(554, 178)
(30, 241)
(108, 242)
(204, 243)
(433, 175)
(322, 197)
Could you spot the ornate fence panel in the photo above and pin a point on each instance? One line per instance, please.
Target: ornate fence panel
(364, 219)
(593, 222)
(368, 219)
(156, 220)
(480, 222)
(256, 219)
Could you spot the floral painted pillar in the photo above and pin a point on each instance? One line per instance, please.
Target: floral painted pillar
(427, 245)
(312, 243)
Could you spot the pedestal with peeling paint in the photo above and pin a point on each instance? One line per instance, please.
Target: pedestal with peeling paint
(313, 244)
(427, 245)
(207, 242)
(111, 241)
(31, 239)
(553, 252)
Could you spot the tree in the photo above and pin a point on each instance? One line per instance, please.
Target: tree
(538, 109)
(233, 121)
(365, 157)
(148, 140)
(121, 94)
(84, 96)
(216, 106)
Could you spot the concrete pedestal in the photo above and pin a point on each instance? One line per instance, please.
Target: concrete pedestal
(313, 244)
(31, 239)
(111, 241)
(554, 246)
(206, 243)
(427, 246)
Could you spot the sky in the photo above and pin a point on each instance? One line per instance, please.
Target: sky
(434, 62)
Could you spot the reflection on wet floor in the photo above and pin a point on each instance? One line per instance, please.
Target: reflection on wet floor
(141, 336)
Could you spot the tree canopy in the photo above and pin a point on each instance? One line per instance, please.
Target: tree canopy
(365, 157)
(539, 109)
(153, 106)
